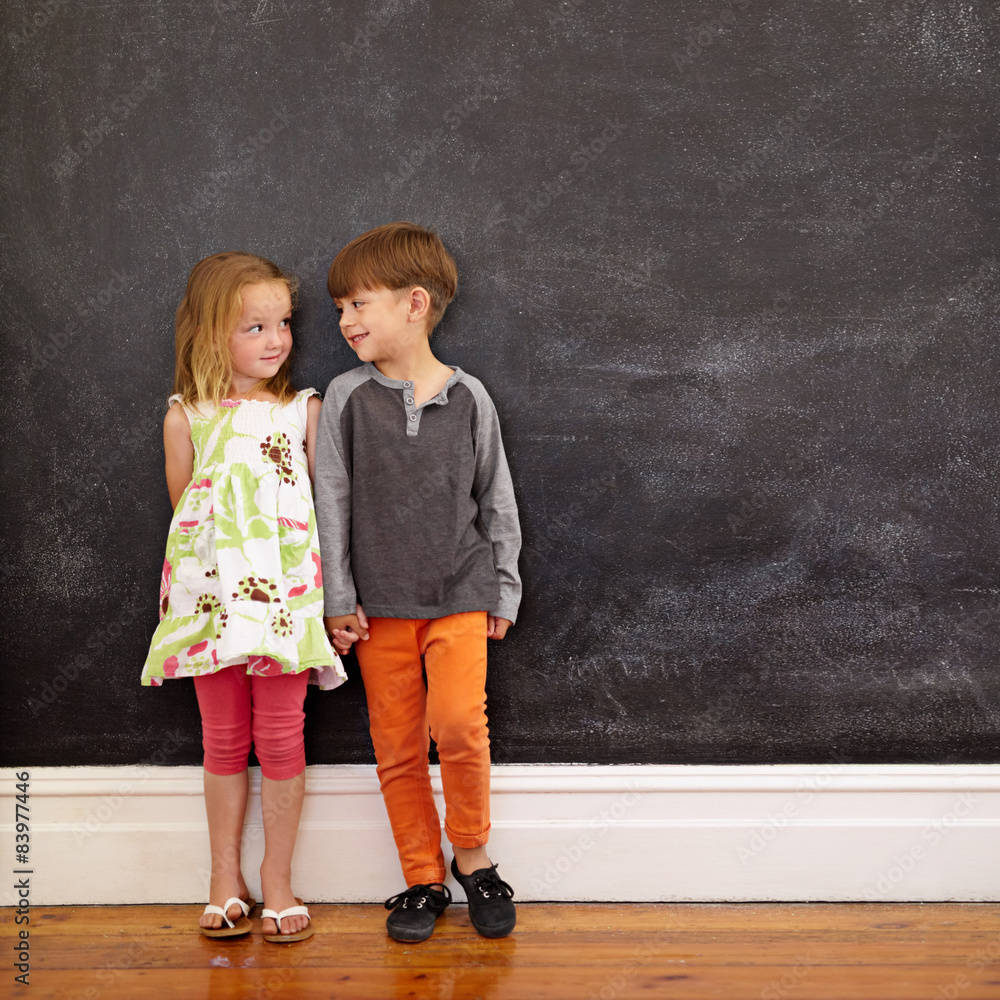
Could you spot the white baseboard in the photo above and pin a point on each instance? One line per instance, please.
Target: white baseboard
(560, 832)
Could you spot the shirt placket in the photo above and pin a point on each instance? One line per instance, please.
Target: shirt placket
(412, 414)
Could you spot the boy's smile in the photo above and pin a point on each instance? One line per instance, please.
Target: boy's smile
(378, 326)
(391, 330)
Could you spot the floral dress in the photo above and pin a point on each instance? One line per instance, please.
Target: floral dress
(242, 584)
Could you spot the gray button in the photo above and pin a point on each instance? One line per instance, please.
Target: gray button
(413, 416)
(409, 399)
(406, 385)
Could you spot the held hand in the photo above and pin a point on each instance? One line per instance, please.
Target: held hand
(496, 628)
(345, 630)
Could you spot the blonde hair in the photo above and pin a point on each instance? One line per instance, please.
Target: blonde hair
(205, 319)
(396, 256)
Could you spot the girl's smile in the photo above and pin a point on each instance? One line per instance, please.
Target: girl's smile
(261, 339)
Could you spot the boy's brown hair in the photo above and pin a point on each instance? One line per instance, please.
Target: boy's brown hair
(396, 256)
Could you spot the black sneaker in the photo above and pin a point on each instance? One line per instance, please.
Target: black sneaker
(491, 909)
(415, 911)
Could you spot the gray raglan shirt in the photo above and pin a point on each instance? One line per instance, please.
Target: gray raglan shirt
(415, 505)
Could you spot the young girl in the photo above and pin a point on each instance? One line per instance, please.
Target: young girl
(241, 596)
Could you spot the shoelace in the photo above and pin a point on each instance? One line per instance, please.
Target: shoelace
(418, 895)
(491, 884)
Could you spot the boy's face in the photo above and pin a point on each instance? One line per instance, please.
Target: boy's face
(381, 325)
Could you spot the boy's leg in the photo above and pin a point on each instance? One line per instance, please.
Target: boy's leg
(454, 650)
(455, 657)
(278, 719)
(397, 699)
(224, 702)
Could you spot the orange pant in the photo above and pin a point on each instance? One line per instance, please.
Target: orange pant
(451, 706)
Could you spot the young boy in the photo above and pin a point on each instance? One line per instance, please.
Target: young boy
(420, 538)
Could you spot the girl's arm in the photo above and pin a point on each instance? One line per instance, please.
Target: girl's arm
(312, 422)
(179, 451)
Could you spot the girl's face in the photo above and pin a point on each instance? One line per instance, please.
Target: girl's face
(262, 337)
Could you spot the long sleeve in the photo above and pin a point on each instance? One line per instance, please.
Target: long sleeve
(333, 512)
(493, 491)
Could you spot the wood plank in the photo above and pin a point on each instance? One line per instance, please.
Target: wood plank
(505, 982)
(596, 916)
(759, 951)
(538, 950)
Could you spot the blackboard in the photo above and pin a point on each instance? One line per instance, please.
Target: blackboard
(725, 268)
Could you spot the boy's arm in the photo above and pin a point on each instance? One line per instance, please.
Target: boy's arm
(493, 491)
(333, 514)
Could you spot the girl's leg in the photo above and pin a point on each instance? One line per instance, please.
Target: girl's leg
(226, 805)
(278, 718)
(224, 701)
(281, 802)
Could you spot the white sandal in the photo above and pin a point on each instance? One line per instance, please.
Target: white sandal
(292, 911)
(238, 929)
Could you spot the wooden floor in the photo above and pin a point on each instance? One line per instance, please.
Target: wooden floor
(579, 951)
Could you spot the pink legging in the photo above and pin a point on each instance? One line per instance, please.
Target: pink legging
(238, 708)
